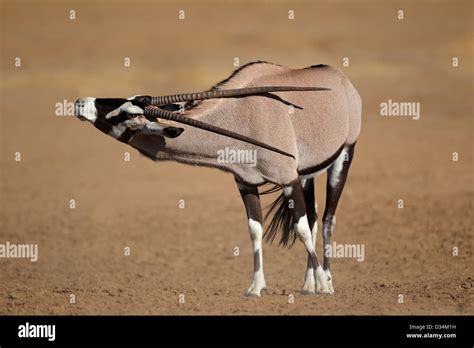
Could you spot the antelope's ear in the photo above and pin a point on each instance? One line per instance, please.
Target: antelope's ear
(141, 100)
(172, 132)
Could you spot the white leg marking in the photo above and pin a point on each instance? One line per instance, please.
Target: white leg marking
(314, 231)
(337, 167)
(303, 182)
(287, 190)
(304, 233)
(333, 222)
(328, 273)
(258, 281)
(330, 287)
(322, 281)
(309, 280)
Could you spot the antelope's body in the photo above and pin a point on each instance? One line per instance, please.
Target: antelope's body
(318, 129)
(314, 134)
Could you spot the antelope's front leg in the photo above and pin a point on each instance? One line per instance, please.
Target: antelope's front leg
(251, 200)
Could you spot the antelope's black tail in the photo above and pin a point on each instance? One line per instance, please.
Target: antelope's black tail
(282, 219)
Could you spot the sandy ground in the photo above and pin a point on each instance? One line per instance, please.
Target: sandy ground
(190, 251)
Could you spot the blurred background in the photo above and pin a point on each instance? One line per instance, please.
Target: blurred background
(190, 251)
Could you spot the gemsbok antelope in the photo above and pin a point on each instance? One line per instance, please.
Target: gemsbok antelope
(297, 130)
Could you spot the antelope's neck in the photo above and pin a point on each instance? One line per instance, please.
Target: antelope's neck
(194, 146)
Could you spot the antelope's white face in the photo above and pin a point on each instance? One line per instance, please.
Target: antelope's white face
(85, 109)
(121, 118)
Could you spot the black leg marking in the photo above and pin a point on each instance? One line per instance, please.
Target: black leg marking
(256, 260)
(310, 202)
(251, 201)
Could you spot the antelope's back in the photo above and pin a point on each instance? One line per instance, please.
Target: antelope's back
(322, 121)
(315, 124)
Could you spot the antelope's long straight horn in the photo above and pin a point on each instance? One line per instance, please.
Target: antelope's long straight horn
(228, 93)
(152, 112)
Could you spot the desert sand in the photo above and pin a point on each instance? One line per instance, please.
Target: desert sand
(136, 204)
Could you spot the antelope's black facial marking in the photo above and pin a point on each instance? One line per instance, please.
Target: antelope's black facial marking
(103, 126)
(106, 105)
(127, 135)
(112, 110)
(172, 132)
(121, 118)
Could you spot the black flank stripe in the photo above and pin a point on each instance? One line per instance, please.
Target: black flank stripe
(322, 165)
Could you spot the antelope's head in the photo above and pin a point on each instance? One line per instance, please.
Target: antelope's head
(121, 117)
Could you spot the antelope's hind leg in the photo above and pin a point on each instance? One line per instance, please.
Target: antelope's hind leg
(253, 207)
(309, 286)
(295, 196)
(337, 175)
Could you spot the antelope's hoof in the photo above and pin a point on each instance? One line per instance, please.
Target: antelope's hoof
(309, 285)
(323, 281)
(255, 289)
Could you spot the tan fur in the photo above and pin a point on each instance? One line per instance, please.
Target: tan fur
(328, 120)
